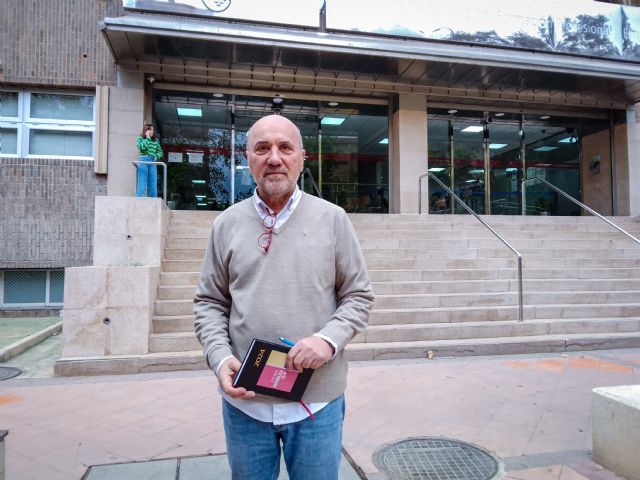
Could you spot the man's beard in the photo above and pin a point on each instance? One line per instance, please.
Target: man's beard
(280, 188)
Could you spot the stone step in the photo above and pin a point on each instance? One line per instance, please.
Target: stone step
(412, 253)
(500, 329)
(172, 324)
(492, 313)
(187, 232)
(474, 299)
(173, 342)
(487, 263)
(181, 265)
(179, 278)
(502, 273)
(184, 254)
(529, 285)
(387, 240)
(493, 346)
(175, 292)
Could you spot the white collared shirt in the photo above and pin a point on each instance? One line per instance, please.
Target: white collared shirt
(279, 413)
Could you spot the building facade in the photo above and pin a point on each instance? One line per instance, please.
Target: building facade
(484, 97)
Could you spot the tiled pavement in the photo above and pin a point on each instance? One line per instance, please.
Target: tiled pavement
(531, 411)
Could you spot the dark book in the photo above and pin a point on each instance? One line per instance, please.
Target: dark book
(263, 371)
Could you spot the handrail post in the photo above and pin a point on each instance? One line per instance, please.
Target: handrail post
(420, 192)
(581, 205)
(164, 175)
(518, 254)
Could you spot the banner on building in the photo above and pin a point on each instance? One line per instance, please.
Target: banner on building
(577, 27)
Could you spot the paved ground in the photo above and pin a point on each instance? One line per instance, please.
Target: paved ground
(14, 329)
(531, 411)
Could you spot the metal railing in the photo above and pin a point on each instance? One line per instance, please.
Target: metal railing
(164, 175)
(307, 171)
(580, 204)
(466, 207)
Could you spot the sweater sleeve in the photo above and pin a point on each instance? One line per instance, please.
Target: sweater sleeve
(212, 305)
(142, 145)
(353, 286)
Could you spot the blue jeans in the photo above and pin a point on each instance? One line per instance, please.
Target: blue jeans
(311, 448)
(147, 183)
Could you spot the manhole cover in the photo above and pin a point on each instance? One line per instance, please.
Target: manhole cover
(9, 372)
(436, 458)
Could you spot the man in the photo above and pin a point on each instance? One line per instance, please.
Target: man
(282, 264)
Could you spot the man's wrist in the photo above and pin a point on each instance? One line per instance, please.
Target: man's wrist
(331, 343)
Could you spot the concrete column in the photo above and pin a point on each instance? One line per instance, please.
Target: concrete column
(633, 142)
(408, 138)
(126, 118)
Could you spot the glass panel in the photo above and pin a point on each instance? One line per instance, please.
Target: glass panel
(56, 286)
(24, 286)
(8, 104)
(8, 141)
(506, 165)
(439, 164)
(353, 163)
(195, 131)
(60, 142)
(63, 107)
(552, 153)
(468, 157)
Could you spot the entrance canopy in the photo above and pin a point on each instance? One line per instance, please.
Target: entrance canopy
(305, 61)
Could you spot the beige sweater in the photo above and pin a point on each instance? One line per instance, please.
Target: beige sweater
(312, 280)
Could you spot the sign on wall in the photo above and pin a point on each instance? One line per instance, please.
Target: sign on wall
(577, 27)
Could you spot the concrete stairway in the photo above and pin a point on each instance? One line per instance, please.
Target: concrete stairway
(444, 284)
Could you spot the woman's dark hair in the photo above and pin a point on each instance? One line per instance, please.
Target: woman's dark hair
(146, 127)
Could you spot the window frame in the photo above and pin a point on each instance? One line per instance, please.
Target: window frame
(24, 123)
(23, 306)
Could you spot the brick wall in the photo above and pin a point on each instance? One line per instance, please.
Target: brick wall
(46, 212)
(55, 42)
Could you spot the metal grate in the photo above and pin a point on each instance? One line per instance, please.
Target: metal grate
(436, 458)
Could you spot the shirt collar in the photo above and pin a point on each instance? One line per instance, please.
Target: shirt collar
(290, 207)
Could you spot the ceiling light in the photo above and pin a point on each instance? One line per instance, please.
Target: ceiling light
(472, 129)
(470, 181)
(545, 117)
(498, 114)
(332, 121)
(452, 111)
(478, 170)
(384, 141)
(544, 149)
(218, 95)
(436, 169)
(511, 170)
(333, 104)
(202, 204)
(189, 112)
(571, 139)
(496, 146)
(198, 182)
(201, 197)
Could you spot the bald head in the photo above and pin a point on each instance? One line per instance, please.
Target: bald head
(275, 122)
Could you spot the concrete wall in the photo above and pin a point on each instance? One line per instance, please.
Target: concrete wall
(633, 139)
(126, 119)
(408, 139)
(596, 186)
(46, 207)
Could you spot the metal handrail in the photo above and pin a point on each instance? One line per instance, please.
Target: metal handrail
(580, 204)
(164, 176)
(466, 207)
(307, 171)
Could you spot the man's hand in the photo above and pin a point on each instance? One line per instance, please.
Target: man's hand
(310, 352)
(226, 374)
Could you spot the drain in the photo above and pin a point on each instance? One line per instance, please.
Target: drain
(435, 458)
(9, 372)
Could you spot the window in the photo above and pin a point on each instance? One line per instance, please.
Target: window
(31, 288)
(40, 124)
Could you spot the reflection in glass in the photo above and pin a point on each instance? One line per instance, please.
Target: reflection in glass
(63, 107)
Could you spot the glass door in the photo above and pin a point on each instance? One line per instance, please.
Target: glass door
(469, 161)
(505, 155)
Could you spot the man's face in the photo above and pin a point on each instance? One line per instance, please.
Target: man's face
(276, 156)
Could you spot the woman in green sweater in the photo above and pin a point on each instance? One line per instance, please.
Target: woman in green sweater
(150, 151)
